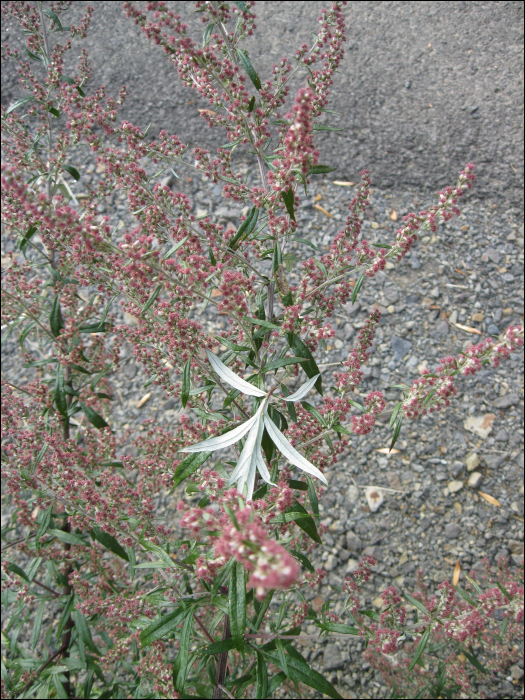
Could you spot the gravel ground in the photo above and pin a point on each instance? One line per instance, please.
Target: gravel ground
(424, 86)
(469, 273)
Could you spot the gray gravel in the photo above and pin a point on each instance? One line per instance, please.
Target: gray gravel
(470, 273)
(424, 87)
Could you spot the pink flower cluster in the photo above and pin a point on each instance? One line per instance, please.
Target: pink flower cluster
(432, 392)
(271, 566)
(352, 377)
(374, 405)
(299, 153)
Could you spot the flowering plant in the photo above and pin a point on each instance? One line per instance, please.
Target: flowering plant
(131, 606)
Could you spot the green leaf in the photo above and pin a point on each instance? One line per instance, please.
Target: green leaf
(59, 395)
(207, 33)
(275, 683)
(109, 542)
(84, 633)
(251, 104)
(340, 429)
(263, 324)
(299, 671)
(164, 627)
(185, 393)
(40, 456)
(312, 495)
(301, 350)
(322, 127)
(339, 627)
(34, 56)
(243, 58)
(189, 465)
(420, 648)
(416, 604)
(152, 298)
(474, 660)
(393, 417)
(175, 247)
(71, 81)
(397, 431)
(289, 404)
(320, 169)
(466, 596)
(93, 417)
(27, 237)
(372, 614)
(357, 287)
(79, 368)
(56, 322)
(245, 228)
(303, 559)
(67, 537)
(314, 412)
(98, 327)
(474, 584)
(298, 485)
(44, 525)
(280, 651)
(261, 690)
(289, 202)
(275, 364)
(37, 624)
(54, 111)
(162, 555)
(21, 102)
(157, 564)
(55, 19)
(260, 611)
(220, 647)
(305, 523)
(233, 346)
(237, 604)
(72, 171)
(64, 616)
(504, 590)
(18, 571)
(181, 665)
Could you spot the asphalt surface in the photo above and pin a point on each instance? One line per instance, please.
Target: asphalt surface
(424, 86)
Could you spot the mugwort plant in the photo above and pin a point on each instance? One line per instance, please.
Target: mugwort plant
(103, 598)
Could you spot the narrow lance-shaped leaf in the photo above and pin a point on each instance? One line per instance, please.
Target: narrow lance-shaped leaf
(59, 394)
(152, 298)
(303, 390)
(72, 171)
(247, 64)
(93, 417)
(237, 604)
(189, 465)
(305, 523)
(181, 665)
(218, 443)
(310, 366)
(56, 322)
(290, 452)
(289, 202)
(185, 393)
(233, 380)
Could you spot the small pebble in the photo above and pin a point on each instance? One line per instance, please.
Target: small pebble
(455, 486)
